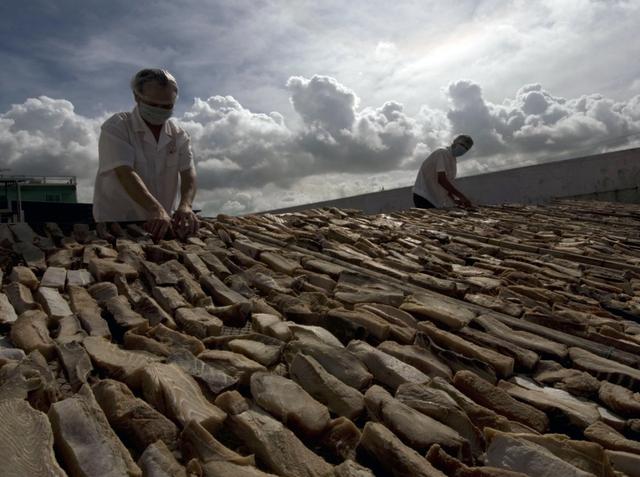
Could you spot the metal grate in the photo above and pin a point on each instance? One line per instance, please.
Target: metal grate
(232, 330)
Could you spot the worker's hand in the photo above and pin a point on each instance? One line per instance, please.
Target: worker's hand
(159, 224)
(466, 203)
(462, 202)
(185, 222)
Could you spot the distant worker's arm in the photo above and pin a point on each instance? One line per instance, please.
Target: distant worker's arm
(160, 221)
(185, 221)
(454, 193)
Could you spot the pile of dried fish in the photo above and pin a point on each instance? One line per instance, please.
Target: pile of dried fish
(497, 342)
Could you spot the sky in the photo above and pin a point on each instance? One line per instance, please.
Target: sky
(293, 101)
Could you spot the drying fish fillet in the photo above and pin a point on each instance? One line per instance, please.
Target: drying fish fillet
(447, 287)
(10, 354)
(197, 443)
(509, 452)
(417, 356)
(198, 322)
(501, 363)
(393, 315)
(169, 298)
(521, 338)
(273, 444)
(54, 277)
(221, 293)
(396, 458)
(30, 332)
(120, 309)
(372, 323)
(265, 354)
(417, 430)
(175, 339)
(88, 312)
(25, 276)
(341, 438)
(271, 325)
(456, 361)
(588, 457)
(26, 442)
(69, 330)
(279, 263)
(427, 306)
(176, 394)
(289, 402)
(233, 364)
(437, 404)
(494, 303)
(365, 295)
(524, 358)
(7, 312)
(118, 363)
(350, 468)
(215, 379)
(158, 461)
(52, 302)
(135, 421)
(76, 363)
(578, 383)
(30, 378)
(340, 362)
(485, 394)
(385, 368)
(611, 439)
(552, 400)
(340, 398)
(620, 399)
(453, 467)
(605, 369)
(260, 322)
(315, 333)
(625, 462)
(20, 298)
(86, 442)
(229, 469)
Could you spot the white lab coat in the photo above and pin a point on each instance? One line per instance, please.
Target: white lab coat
(126, 140)
(427, 185)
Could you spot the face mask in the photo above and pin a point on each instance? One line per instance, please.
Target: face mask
(458, 150)
(154, 115)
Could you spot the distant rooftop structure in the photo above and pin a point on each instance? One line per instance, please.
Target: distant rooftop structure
(20, 192)
(39, 180)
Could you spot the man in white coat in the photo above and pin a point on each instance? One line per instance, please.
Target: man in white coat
(144, 158)
(434, 186)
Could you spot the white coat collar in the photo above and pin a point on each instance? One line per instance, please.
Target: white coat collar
(141, 127)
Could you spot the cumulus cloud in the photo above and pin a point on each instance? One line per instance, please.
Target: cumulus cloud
(536, 126)
(344, 138)
(249, 161)
(240, 148)
(45, 136)
(323, 102)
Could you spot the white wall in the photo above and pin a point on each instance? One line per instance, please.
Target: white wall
(613, 176)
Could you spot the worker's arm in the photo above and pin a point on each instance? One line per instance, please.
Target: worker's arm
(185, 221)
(187, 188)
(160, 222)
(454, 193)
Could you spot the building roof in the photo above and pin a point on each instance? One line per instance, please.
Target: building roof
(38, 180)
(328, 342)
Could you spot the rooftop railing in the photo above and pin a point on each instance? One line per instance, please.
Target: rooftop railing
(38, 180)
